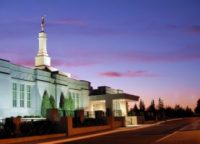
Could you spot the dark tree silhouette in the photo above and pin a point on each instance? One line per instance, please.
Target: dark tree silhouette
(169, 112)
(188, 112)
(62, 100)
(179, 111)
(151, 111)
(161, 114)
(152, 106)
(160, 104)
(134, 111)
(197, 108)
(142, 108)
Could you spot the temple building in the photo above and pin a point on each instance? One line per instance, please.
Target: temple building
(22, 88)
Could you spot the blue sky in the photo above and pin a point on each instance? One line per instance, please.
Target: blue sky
(147, 48)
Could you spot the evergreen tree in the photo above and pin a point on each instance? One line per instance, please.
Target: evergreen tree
(160, 104)
(179, 111)
(142, 106)
(188, 112)
(161, 114)
(197, 108)
(71, 103)
(152, 106)
(136, 110)
(45, 104)
(66, 106)
(152, 110)
(62, 101)
(52, 102)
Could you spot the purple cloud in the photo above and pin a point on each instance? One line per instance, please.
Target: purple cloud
(188, 53)
(171, 26)
(68, 21)
(138, 73)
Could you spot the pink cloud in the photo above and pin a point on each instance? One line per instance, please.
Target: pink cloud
(138, 73)
(75, 63)
(25, 62)
(194, 29)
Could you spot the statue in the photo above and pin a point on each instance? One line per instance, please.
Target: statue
(42, 24)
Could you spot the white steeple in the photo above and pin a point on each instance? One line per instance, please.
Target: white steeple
(42, 58)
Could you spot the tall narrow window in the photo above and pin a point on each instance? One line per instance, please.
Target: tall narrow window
(77, 100)
(28, 90)
(21, 95)
(14, 90)
(74, 99)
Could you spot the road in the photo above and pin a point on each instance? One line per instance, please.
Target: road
(181, 131)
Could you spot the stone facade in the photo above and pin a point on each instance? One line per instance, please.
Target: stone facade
(39, 81)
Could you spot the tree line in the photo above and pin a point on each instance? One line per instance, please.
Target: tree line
(160, 111)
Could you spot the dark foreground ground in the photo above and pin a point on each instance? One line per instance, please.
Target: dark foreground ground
(180, 131)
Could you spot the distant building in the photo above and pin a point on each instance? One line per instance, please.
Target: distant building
(22, 88)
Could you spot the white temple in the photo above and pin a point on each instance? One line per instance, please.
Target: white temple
(22, 88)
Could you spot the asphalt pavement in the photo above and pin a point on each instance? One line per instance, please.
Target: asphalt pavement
(180, 131)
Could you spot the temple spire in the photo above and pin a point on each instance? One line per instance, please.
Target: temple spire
(42, 58)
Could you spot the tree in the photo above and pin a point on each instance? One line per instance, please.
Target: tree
(188, 112)
(66, 104)
(161, 114)
(71, 103)
(152, 110)
(142, 106)
(169, 112)
(197, 108)
(160, 104)
(152, 106)
(62, 101)
(45, 104)
(136, 110)
(52, 102)
(179, 111)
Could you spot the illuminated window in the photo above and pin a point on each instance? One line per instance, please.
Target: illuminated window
(14, 88)
(116, 108)
(28, 90)
(21, 95)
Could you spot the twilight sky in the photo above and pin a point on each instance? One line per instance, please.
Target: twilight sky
(149, 48)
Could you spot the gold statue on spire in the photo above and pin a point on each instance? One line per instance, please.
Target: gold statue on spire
(42, 24)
